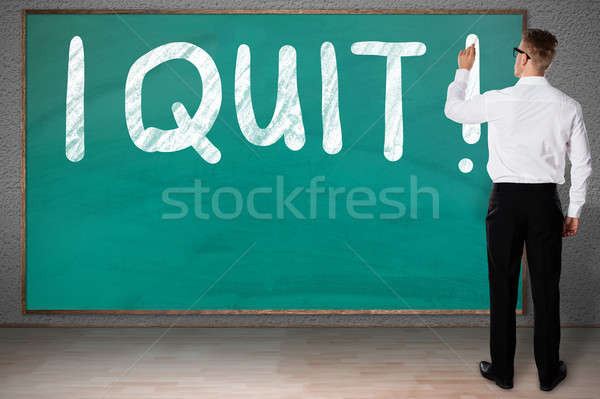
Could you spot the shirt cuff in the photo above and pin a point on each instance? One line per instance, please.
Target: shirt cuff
(574, 211)
(462, 75)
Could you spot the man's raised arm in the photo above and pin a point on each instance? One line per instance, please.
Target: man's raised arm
(460, 110)
(457, 108)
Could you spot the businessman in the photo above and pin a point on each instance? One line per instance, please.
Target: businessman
(531, 127)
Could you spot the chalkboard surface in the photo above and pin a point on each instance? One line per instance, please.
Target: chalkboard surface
(270, 161)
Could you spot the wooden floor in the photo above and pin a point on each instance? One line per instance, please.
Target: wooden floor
(267, 363)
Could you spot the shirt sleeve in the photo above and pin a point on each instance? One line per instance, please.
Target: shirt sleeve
(578, 151)
(460, 110)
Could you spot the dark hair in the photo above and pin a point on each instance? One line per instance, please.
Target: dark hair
(541, 45)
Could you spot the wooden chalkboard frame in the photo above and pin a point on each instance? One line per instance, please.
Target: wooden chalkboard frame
(24, 310)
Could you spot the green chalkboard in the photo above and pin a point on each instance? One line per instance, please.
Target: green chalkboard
(378, 208)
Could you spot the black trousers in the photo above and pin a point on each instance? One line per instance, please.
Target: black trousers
(530, 214)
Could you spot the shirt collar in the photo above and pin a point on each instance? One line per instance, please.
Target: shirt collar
(533, 80)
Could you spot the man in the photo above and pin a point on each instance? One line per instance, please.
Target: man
(531, 126)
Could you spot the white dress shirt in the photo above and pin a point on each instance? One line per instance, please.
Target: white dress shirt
(531, 126)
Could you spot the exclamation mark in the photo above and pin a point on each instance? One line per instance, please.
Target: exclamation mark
(471, 132)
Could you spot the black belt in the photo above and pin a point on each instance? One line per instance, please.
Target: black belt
(500, 187)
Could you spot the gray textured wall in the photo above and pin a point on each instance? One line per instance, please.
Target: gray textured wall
(575, 71)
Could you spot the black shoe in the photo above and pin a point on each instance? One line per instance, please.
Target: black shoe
(562, 373)
(486, 370)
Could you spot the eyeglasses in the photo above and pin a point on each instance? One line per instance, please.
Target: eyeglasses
(518, 50)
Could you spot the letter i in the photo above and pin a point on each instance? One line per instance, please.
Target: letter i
(330, 108)
(74, 143)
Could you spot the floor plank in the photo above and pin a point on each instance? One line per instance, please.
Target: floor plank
(278, 363)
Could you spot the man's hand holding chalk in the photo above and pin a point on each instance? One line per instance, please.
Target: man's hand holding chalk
(466, 57)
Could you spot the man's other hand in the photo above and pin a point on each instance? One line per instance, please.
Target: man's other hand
(466, 57)
(570, 226)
